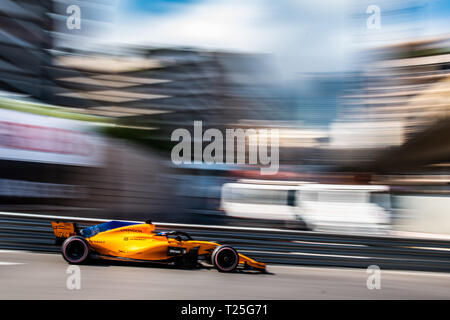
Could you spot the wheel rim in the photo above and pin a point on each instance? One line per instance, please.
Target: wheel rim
(226, 259)
(75, 250)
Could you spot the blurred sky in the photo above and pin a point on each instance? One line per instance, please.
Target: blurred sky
(303, 35)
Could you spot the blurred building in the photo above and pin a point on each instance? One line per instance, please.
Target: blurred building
(25, 40)
(30, 30)
(407, 83)
(405, 94)
(163, 88)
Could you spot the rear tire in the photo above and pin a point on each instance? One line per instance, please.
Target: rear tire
(225, 258)
(75, 250)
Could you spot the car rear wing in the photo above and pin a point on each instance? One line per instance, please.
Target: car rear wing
(64, 230)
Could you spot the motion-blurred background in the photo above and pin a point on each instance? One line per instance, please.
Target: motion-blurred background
(359, 90)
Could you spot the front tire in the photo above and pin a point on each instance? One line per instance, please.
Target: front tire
(225, 258)
(75, 250)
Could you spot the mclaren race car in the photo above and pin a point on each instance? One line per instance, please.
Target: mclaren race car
(140, 242)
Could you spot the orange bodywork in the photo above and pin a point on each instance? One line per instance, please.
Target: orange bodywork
(141, 242)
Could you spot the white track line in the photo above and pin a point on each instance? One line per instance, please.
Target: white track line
(345, 269)
(14, 251)
(2, 263)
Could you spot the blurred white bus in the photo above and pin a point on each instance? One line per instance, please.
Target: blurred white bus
(351, 208)
(259, 201)
(321, 207)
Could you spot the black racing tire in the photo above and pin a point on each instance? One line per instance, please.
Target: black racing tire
(75, 250)
(225, 258)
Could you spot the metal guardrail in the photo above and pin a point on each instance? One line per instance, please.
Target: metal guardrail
(276, 246)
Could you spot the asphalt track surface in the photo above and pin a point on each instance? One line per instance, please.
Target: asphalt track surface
(27, 275)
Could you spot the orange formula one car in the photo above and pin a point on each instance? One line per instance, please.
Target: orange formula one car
(119, 240)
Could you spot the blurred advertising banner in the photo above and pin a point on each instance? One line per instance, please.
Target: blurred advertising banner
(31, 189)
(36, 138)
